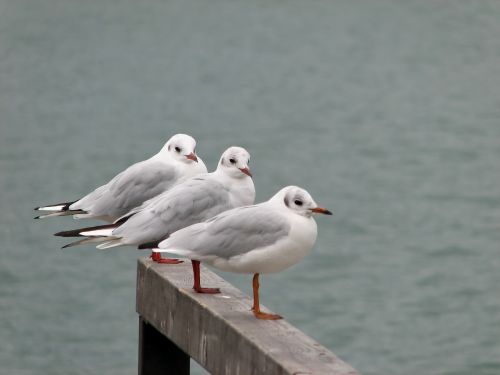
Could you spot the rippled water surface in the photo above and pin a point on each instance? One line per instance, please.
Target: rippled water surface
(388, 112)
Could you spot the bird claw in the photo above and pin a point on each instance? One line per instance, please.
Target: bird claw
(266, 316)
(207, 290)
(168, 261)
(158, 259)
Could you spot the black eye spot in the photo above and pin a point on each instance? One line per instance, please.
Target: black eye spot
(298, 202)
(178, 149)
(232, 161)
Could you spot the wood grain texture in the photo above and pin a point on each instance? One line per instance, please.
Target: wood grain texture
(220, 332)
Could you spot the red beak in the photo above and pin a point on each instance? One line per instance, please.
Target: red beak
(246, 171)
(192, 156)
(321, 210)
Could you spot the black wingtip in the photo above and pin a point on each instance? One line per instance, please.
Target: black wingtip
(36, 217)
(36, 208)
(67, 233)
(148, 245)
(65, 246)
(76, 232)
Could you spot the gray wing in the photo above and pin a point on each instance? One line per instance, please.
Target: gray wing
(232, 233)
(189, 202)
(131, 188)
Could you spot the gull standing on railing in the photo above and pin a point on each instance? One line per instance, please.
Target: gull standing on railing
(264, 238)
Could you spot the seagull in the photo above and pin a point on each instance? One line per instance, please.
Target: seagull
(175, 162)
(192, 201)
(263, 238)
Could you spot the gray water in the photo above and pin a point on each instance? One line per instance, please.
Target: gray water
(388, 112)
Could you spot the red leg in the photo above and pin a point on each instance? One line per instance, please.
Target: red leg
(158, 259)
(256, 307)
(197, 284)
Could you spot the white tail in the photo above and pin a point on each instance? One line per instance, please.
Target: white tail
(98, 233)
(51, 208)
(53, 214)
(108, 244)
(83, 242)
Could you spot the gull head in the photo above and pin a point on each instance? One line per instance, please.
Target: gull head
(182, 147)
(234, 162)
(299, 201)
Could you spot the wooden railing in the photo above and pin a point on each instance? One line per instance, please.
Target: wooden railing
(217, 331)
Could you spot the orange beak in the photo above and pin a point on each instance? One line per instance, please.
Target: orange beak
(246, 171)
(192, 156)
(320, 210)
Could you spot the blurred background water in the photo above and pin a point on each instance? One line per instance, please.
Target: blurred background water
(386, 111)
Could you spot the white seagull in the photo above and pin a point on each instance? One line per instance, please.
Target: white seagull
(175, 162)
(264, 238)
(192, 201)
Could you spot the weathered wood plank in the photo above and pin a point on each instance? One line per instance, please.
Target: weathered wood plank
(220, 332)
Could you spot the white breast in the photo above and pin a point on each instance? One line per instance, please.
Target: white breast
(242, 192)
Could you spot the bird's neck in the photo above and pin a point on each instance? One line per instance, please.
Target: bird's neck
(242, 190)
(164, 157)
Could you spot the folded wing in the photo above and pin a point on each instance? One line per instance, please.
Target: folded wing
(231, 233)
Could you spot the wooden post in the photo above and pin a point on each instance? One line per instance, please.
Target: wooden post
(158, 355)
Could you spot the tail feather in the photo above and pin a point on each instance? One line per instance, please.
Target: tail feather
(83, 242)
(55, 207)
(58, 209)
(79, 232)
(113, 243)
(104, 232)
(59, 213)
(103, 240)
